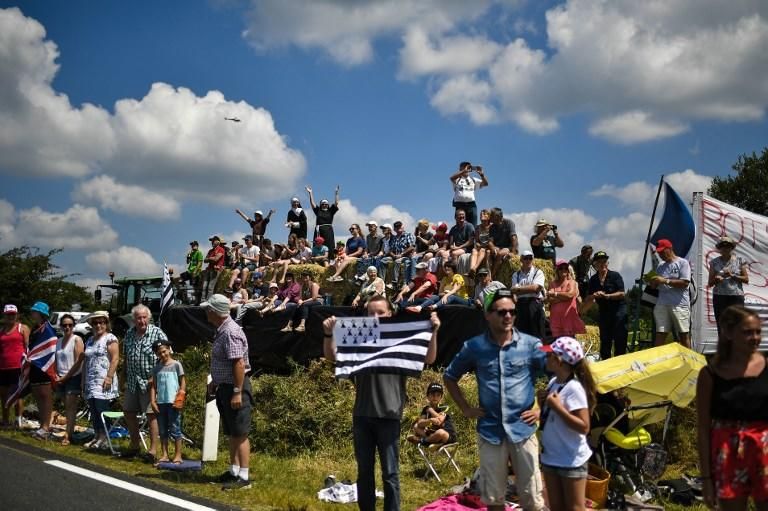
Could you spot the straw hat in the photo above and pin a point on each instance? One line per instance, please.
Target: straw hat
(98, 314)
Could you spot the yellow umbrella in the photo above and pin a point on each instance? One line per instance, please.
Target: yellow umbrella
(664, 373)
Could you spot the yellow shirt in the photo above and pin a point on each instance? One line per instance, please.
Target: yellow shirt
(457, 280)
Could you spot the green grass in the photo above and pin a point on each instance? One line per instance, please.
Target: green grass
(301, 432)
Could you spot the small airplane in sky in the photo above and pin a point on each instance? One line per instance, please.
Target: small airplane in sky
(233, 119)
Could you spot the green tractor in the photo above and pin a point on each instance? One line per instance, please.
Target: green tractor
(127, 292)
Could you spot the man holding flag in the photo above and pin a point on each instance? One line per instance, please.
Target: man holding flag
(379, 357)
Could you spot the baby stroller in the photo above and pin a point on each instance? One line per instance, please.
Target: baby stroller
(635, 390)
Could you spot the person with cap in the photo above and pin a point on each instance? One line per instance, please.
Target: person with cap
(377, 415)
(354, 249)
(562, 296)
(452, 291)
(215, 261)
(296, 220)
(606, 289)
(403, 247)
(372, 249)
(485, 287)
(434, 426)
(583, 269)
(324, 213)
(421, 288)
(727, 276)
(482, 243)
(546, 241)
(138, 361)
(503, 241)
(258, 224)
(231, 384)
(288, 294)
(464, 187)
(372, 286)
(461, 236)
(14, 339)
(672, 312)
(566, 406)
(320, 251)
(100, 357)
(248, 261)
(167, 394)
(42, 370)
(309, 297)
(269, 302)
(528, 288)
(194, 269)
(504, 361)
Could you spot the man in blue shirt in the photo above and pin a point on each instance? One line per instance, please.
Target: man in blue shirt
(505, 362)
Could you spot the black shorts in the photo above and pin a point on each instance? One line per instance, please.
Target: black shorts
(235, 422)
(38, 377)
(9, 377)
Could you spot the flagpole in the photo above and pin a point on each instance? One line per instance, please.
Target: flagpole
(639, 281)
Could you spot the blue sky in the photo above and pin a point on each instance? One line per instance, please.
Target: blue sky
(573, 108)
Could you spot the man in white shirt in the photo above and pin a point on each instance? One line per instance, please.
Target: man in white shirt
(528, 288)
(249, 261)
(672, 312)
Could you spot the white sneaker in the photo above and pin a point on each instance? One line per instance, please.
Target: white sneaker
(41, 434)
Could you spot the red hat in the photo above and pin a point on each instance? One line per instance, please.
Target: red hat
(442, 226)
(663, 244)
(319, 240)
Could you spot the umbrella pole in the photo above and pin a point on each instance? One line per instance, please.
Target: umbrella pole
(639, 281)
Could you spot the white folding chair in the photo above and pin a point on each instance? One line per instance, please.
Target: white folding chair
(447, 450)
(117, 419)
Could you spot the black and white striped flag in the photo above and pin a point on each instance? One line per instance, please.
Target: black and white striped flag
(167, 297)
(380, 345)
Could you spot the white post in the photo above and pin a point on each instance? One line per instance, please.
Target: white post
(210, 428)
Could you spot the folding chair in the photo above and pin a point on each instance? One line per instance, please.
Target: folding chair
(447, 450)
(117, 419)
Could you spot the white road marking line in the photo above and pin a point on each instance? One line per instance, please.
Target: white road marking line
(135, 488)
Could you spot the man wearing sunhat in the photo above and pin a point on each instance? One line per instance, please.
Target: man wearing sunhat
(727, 276)
(504, 361)
(606, 289)
(672, 312)
(231, 383)
(546, 241)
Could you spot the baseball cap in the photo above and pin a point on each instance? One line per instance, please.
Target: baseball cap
(273, 285)
(319, 240)
(259, 212)
(398, 224)
(421, 266)
(567, 348)
(194, 242)
(42, 308)
(442, 226)
(600, 254)
(663, 244)
(324, 201)
(386, 226)
(214, 238)
(248, 237)
(217, 303)
(725, 240)
(483, 271)
(435, 387)
(491, 298)
(10, 309)
(526, 253)
(372, 222)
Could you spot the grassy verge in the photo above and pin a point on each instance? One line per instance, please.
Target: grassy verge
(302, 432)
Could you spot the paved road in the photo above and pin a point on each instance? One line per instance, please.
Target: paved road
(28, 483)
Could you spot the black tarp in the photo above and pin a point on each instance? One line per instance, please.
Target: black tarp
(272, 351)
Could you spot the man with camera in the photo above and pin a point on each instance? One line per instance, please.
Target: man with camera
(545, 241)
(464, 186)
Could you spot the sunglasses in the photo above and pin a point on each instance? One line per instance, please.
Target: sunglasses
(67, 325)
(503, 312)
(526, 258)
(98, 322)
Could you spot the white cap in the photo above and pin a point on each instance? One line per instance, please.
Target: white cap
(371, 222)
(422, 266)
(526, 253)
(259, 212)
(386, 226)
(217, 303)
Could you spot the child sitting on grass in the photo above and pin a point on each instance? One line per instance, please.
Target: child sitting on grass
(434, 426)
(167, 391)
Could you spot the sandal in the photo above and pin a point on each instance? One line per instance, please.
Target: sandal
(65, 441)
(156, 464)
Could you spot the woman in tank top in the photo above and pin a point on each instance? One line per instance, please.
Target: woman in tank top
(727, 275)
(731, 399)
(14, 338)
(70, 381)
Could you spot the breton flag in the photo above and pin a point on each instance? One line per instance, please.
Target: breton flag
(41, 354)
(167, 297)
(380, 345)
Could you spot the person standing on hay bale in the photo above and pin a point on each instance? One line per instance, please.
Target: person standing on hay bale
(606, 288)
(504, 361)
(324, 213)
(731, 393)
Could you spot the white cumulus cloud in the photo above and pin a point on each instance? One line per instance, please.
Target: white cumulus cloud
(639, 195)
(350, 214)
(123, 261)
(128, 199)
(635, 126)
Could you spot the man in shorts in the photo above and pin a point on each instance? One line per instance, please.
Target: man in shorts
(672, 312)
(504, 361)
(139, 360)
(230, 369)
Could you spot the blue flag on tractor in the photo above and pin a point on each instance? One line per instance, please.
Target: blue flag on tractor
(676, 224)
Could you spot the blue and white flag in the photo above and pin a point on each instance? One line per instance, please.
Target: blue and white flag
(166, 300)
(380, 345)
(676, 224)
